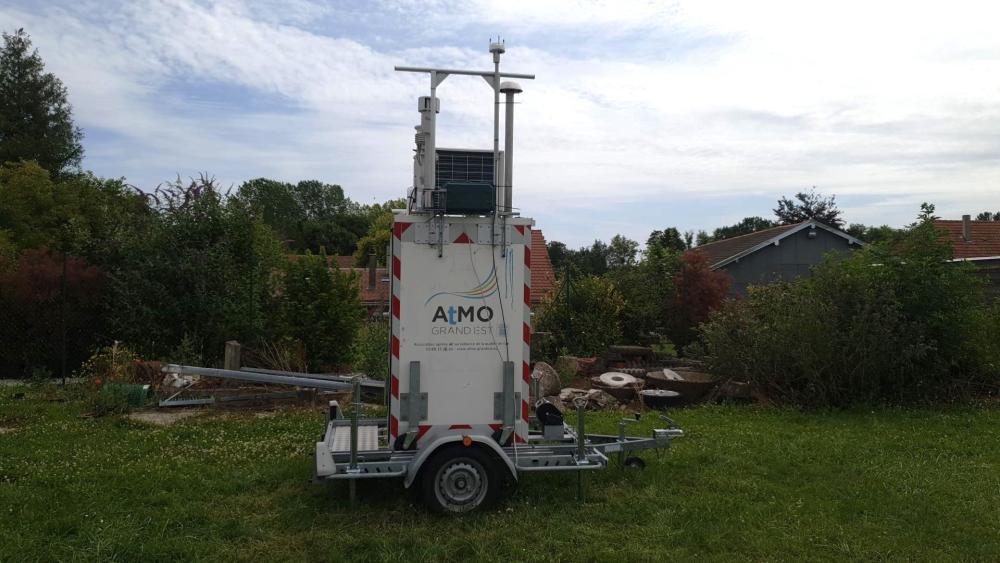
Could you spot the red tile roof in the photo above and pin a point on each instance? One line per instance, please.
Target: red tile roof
(720, 250)
(380, 294)
(985, 239)
(543, 277)
(344, 261)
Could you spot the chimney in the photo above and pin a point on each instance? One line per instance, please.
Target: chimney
(967, 228)
(371, 271)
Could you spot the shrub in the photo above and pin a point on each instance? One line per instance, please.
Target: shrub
(584, 322)
(800, 345)
(645, 289)
(371, 349)
(31, 306)
(889, 323)
(286, 354)
(319, 306)
(982, 347)
(698, 290)
(117, 398)
(201, 270)
(109, 363)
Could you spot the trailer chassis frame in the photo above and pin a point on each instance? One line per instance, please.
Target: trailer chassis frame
(539, 454)
(575, 451)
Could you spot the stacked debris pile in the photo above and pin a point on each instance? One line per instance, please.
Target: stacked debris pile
(621, 386)
(597, 400)
(632, 376)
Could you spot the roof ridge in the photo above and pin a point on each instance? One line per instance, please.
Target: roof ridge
(788, 226)
(970, 220)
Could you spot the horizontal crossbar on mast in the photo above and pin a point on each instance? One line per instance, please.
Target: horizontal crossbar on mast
(465, 72)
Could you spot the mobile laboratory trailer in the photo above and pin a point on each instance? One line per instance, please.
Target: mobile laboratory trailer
(461, 424)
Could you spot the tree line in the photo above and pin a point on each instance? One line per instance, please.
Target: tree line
(173, 273)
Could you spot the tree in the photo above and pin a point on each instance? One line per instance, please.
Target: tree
(559, 254)
(808, 205)
(310, 215)
(988, 216)
(689, 239)
(926, 215)
(622, 252)
(744, 227)
(36, 121)
(27, 205)
(702, 237)
(78, 213)
(319, 307)
(201, 269)
(376, 240)
(8, 252)
(872, 234)
(698, 290)
(33, 296)
(644, 289)
(669, 238)
(587, 261)
(583, 320)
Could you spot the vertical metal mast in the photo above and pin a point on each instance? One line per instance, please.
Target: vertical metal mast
(497, 48)
(508, 89)
(425, 165)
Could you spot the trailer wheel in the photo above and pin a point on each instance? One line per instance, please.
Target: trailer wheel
(635, 463)
(459, 479)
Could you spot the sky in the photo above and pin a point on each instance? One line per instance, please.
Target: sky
(642, 116)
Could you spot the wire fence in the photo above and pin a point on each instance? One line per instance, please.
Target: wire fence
(49, 316)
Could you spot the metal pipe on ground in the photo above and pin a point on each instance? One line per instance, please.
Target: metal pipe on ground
(258, 377)
(345, 378)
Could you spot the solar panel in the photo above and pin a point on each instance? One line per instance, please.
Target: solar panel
(465, 166)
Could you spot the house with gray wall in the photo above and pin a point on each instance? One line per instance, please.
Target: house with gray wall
(780, 253)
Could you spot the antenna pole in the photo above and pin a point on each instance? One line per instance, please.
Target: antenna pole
(430, 160)
(497, 48)
(425, 159)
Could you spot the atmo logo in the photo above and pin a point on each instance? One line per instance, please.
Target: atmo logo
(487, 288)
(454, 315)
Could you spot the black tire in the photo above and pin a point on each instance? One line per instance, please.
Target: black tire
(635, 463)
(458, 479)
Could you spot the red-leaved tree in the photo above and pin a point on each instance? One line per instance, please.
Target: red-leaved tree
(33, 312)
(698, 290)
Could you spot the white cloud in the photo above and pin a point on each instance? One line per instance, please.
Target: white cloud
(884, 104)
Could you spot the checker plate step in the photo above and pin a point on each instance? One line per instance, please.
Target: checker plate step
(367, 438)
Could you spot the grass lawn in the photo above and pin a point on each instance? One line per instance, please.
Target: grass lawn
(745, 483)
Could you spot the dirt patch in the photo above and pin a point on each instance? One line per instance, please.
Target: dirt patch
(164, 418)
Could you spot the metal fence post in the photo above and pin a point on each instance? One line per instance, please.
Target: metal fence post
(62, 320)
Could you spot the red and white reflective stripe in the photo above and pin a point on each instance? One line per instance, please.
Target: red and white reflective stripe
(525, 230)
(398, 228)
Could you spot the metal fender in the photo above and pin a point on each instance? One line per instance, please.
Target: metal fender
(426, 453)
(325, 466)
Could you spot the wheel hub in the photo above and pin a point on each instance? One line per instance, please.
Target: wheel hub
(461, 485)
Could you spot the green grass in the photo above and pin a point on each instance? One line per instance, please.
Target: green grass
(745, 483)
